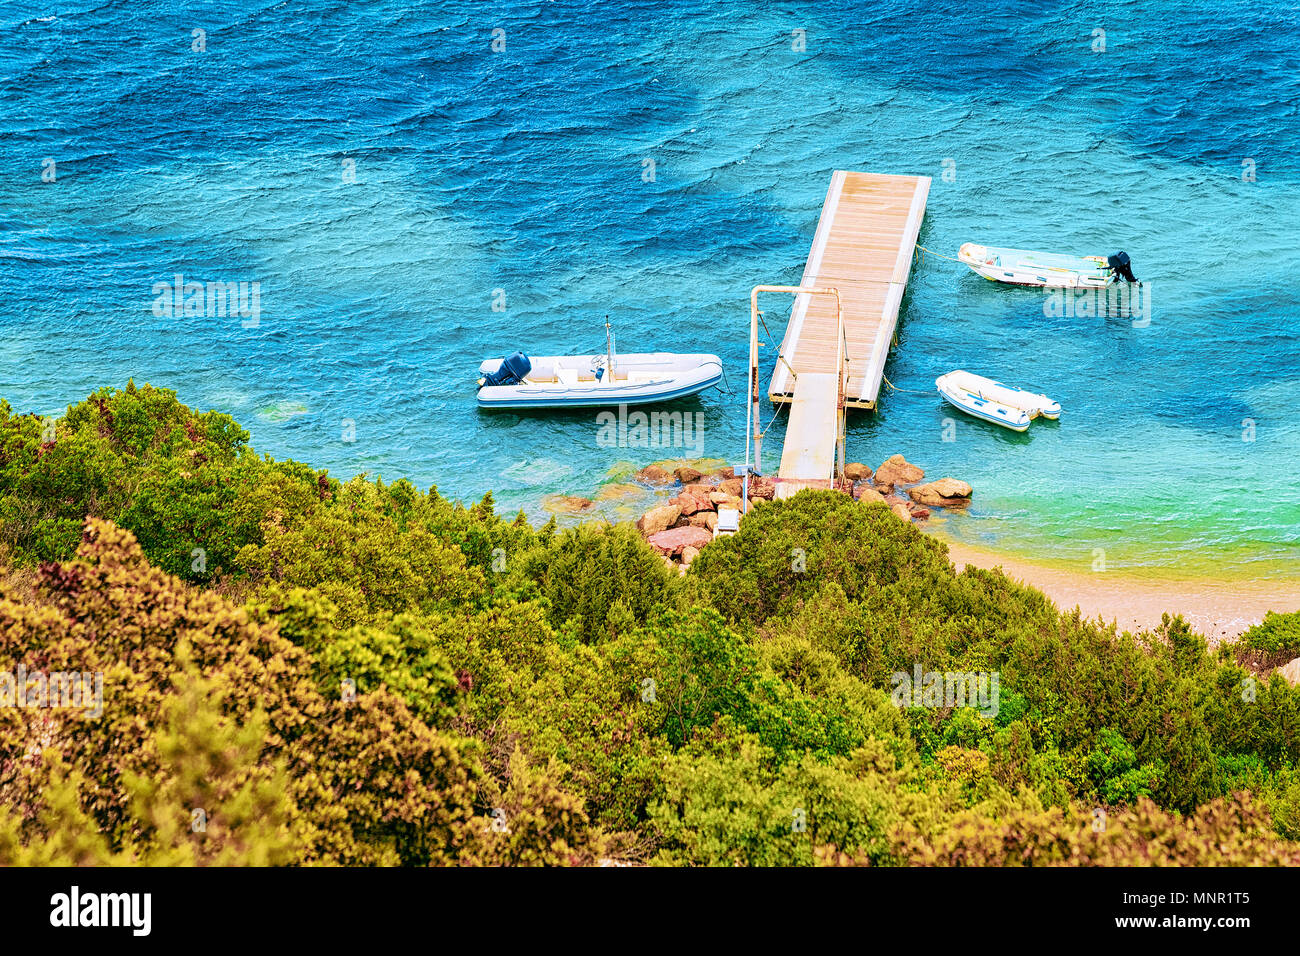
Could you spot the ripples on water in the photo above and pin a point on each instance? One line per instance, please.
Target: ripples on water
(522, 171)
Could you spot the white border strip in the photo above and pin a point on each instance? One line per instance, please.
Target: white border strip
(894, 298)
(778, 386)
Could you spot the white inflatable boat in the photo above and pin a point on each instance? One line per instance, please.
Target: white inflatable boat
(575, 381)
(1004, 405)
(1023, 267)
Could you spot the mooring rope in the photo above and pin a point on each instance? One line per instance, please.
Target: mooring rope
(936, 254)
(779, 357)
(894, 343)
(772, 421)
(912, 391)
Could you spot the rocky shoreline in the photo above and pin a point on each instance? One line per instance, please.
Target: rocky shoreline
(675, 506)
(686, 522)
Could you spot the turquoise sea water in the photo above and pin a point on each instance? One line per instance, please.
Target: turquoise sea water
(524, 170)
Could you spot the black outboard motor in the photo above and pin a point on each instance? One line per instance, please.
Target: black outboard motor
(511, 372)
(1119, 264)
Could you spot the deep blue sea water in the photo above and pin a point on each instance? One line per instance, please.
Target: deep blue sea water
(522, 170)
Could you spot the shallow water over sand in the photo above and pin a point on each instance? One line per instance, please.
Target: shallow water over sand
(387, 179)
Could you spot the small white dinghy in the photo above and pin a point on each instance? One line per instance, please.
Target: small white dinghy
(1023, 267)
(1004, 405)
(576, 381)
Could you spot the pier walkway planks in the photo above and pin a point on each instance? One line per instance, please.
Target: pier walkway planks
(863, 248)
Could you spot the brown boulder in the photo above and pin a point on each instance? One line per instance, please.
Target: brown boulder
(685, 474)
(687, 503)
(689, 554)
(725, 473)
(731, 486)
(952, 488)
(918, 512)
(762, 487)
(944, 493)
(657, 519)
(898, 471)
(1290, 672)
(672, 542)
(654, 475)
(856, 471)
(701, 495)
(566, 504)
(868, 494)
(902, 512)
(705, 519)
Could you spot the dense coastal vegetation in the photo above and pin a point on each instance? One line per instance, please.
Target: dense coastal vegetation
(361, 673)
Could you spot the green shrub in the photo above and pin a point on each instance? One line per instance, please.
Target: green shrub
(544, 697)
(605, 578)
(1276, 634)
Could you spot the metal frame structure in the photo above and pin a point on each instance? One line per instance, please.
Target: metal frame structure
(752, 418)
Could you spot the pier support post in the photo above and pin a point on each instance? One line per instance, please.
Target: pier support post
(753, 423)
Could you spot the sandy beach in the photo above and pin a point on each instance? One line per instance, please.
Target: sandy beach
(1220, 610)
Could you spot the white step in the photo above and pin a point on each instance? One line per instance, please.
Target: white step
(809, 452)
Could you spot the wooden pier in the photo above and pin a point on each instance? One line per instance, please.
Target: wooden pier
(836, 344)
